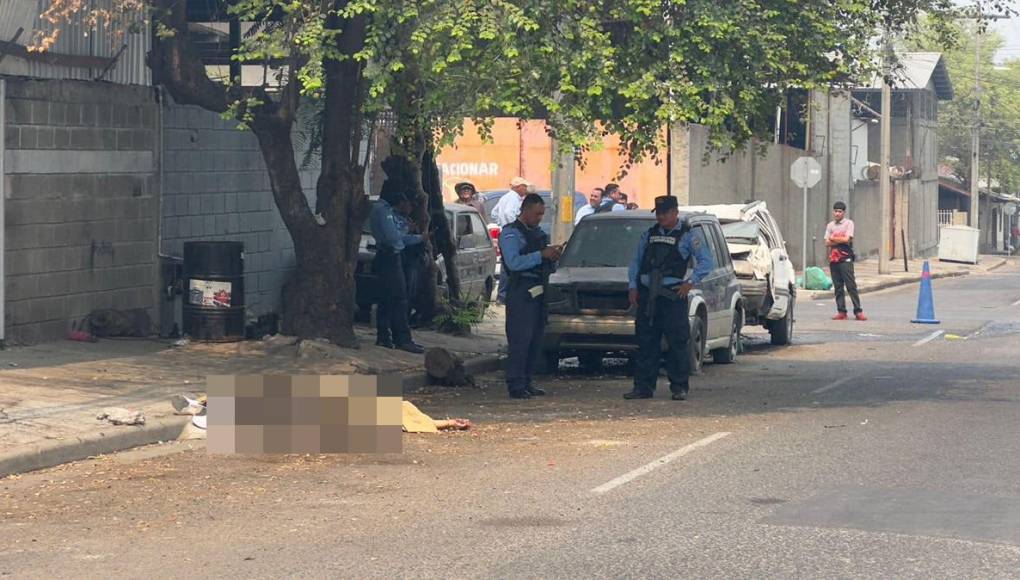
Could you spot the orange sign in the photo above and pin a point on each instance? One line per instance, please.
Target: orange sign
(523, 148)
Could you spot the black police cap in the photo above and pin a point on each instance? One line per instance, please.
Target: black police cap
(665, 203)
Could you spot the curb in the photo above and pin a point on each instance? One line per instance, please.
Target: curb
(1001, 263)
(828, 294)
(52, 453)
(27, 458)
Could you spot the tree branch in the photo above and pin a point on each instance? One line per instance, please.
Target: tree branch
(177, 64)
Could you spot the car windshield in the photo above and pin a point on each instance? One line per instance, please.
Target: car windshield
(741, 232)
(604, 243)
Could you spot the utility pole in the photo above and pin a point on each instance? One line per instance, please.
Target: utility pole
(562, 195)
(975, 137)
(885, 197)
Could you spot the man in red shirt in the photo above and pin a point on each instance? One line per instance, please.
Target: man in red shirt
(839, 239)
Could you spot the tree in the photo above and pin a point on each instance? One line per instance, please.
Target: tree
(1000, 104)
(590, 67)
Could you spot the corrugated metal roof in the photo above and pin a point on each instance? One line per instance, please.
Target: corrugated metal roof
(916, 70)
(74, 39)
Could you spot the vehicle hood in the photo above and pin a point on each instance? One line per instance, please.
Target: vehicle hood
(730, 212)
(589, 277)
(750, 260)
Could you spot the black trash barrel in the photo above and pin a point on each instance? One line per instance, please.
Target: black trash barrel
(214, 291)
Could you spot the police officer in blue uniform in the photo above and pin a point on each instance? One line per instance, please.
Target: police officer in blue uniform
(413, 255)
(659, 286)
(529, 259)
(392, 330)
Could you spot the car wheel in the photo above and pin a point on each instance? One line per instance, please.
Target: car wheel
(697, 344)
(782, 329)
(591, 362)
(729, 354)
(549, 364)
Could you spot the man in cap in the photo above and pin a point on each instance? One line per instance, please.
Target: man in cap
(505, 213)
(659, 285)
(509, 205)
(392, 330)
(528, 259)
(467, 195)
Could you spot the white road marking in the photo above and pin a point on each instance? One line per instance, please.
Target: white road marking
(646, 469)
(1017, 303)
(835, 384)
(929, 338)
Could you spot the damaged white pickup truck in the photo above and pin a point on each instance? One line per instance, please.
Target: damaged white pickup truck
(763, 268)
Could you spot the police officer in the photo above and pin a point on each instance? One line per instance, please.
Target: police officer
(659, 286)
(529, 259)
(392, 329)
(413, 255)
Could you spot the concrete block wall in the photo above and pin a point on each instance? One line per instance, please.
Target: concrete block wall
(216, 187)
(82, 203)
(730, 181)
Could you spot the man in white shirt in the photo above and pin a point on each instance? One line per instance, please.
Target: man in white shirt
(509, 206)
(611, 199)
(594, 199)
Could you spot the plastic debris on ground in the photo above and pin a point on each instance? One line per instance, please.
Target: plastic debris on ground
(121, 416)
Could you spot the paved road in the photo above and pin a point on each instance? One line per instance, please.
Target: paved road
(853, 453)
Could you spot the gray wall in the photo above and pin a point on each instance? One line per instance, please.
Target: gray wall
(82, 203)
(730, 181)
(216, 187)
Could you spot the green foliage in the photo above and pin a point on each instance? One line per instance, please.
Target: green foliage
(458, 318)
(1000, 104)
(590, 66)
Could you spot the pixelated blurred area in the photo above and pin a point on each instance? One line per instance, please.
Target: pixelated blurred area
(260, 414)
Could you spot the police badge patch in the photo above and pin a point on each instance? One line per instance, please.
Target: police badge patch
(662, 240)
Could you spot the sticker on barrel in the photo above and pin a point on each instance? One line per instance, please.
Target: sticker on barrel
(209, 293)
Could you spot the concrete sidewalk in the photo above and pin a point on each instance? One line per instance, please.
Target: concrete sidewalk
(869, 280)
(50, 394)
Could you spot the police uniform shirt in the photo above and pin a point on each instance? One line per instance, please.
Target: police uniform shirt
(512, 243)
(386, 228)
(692, 244)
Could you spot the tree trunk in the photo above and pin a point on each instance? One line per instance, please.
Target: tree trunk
(317, 299)
(444, 236)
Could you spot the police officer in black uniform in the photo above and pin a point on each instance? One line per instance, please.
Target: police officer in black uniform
(659, 285)
(529, 259)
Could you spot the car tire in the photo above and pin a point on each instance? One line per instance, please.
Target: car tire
(728, 355)
(549, 363)
(697, 345)
(591, 362)
(781, 330)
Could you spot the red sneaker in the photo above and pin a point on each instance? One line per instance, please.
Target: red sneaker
(840, 316)
(860, 316)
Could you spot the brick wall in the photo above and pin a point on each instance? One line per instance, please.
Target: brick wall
(215, 187)
(82, 203)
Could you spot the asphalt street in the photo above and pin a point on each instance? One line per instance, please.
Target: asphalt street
(867, 449)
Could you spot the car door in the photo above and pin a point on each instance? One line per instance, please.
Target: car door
(466, 254)
(722, 273)
(782, 268)
(485, 253)
(710, 285)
